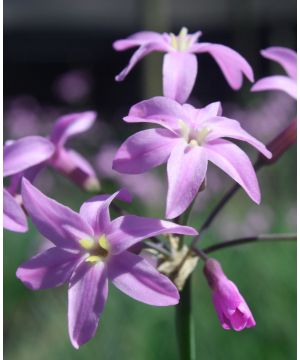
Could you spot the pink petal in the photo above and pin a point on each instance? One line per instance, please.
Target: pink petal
(232, 64)
(158, 110)
(179, 75)
(24, 153)
(137, 39)
(277, 82)
(49, 269)
(87, 294)
(134, 276)
(49, 217)
(141, 52)
(231, 159)
(14, 218)
(186, 171)
(69, 125)
(128, 230)
(287, 58)
(96, 210)
(144, 150)
(224, 127)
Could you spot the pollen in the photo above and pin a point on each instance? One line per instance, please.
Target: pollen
(103, 242)
(93, 259)
(87, 244)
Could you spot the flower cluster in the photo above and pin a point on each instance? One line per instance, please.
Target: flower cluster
(89, 248)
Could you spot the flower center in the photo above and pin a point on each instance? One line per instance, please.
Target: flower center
(97, 249)
(194, 137)
(182, 41)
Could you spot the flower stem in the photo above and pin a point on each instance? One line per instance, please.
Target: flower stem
(241, 241)
(185, 324)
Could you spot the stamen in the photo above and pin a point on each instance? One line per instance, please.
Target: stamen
(184, 130)
(87, 244)
(193, 143)
(202, 135)
(103, 242)
(93, 259)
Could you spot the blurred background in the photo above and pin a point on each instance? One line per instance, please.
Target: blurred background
(58, 58)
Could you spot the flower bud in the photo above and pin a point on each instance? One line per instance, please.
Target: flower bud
(232, 309)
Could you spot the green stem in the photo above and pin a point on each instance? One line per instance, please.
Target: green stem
(185, 324)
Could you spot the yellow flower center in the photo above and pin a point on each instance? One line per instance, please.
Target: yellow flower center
(97, 249)
(194, 137)
(182, 41)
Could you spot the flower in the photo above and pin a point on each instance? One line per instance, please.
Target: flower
(180, 63)
(19, 156)
(190, 138)
(287, 58)
(67, 161)
(232, 309)
(89, 250)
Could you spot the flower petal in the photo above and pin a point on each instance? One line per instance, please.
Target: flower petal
(137, 39)
(137, 278)
(287, 58)
(68, 125)
(224, 127)
(96, 210)
(128, 230)
(186, 168)
(179, 75)
(14, 218)
(49, 217)
(26, 152)
(144, 150)
(158, 110)
(277, 82)
(232, 64)
(141, 52)
(87, 294)
(232, 160)
(49, 269)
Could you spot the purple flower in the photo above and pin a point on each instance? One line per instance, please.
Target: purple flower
(190, 138)
(19, 156)
(180, 63)
(232, 309)
(287, 58)
(69, 162)
(89, 250)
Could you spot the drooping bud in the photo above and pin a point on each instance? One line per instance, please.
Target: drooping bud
(280, 144)
(232, 309)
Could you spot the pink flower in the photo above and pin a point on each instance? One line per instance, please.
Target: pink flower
(19, 156)
(180, 63)
(90, 249)
(70, 162)
(287, 58)
(190, 138)
(232, 309)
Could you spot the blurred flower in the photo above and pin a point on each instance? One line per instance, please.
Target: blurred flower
(232, 309)
(19, 156)
(191, 138)
(287, 58)
(73, 86)
(89, 250)
(180, 63)
(147, 187)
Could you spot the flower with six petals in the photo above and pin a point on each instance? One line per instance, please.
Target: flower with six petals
(180, 63)
(189, 139)
(89, 250)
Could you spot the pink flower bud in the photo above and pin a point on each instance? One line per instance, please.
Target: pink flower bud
(231, 307)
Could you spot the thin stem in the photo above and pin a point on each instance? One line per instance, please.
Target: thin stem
(241, 241)
(185, 324)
